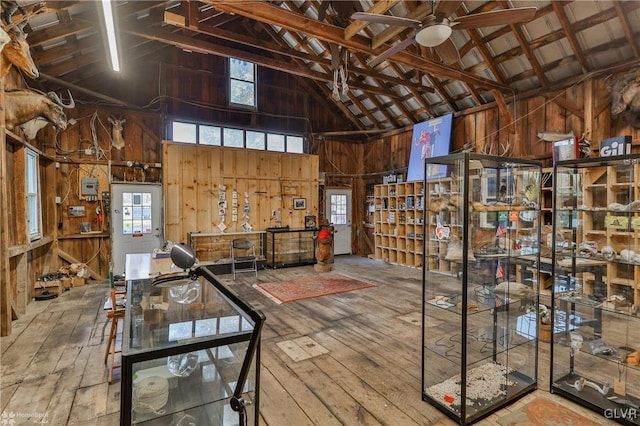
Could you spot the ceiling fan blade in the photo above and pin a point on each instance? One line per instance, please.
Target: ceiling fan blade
(390, 52)
(386, 19)
(446, 8)
(496, 17)
(448, 52)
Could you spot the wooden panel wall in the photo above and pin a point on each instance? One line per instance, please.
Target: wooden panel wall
(194, 174)
(285, 103)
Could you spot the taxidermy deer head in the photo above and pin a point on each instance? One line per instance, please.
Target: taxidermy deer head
(625, 96)
(117, 141)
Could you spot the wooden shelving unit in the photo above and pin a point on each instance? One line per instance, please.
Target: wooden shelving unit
(398, 223)
(586, 214)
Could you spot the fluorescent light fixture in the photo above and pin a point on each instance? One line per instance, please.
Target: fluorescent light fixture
(111, 34)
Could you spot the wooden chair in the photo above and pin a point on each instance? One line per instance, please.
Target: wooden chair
(114, 314)
(243, 251)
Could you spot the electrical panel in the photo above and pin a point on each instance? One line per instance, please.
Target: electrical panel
(89, 188)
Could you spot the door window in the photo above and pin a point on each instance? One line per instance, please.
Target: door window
(136, 213)
(338, 209)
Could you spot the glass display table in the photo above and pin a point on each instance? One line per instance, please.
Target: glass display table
(190, 353)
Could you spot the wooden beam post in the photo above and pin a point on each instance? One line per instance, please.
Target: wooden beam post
(5, 281)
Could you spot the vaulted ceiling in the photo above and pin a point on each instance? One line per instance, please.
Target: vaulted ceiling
(348, 61)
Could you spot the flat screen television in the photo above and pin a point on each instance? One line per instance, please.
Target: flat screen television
(431, 138)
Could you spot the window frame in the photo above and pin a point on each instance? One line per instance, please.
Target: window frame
(299, 139)
(253, 83)
(33, 212)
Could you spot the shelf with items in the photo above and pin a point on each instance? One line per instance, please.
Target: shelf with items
(479, 231)
(398, 222)
(595, 356)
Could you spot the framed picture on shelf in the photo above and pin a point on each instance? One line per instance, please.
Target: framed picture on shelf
(299, 203)
(310, 222)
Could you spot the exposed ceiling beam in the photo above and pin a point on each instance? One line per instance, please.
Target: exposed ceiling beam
(379, 8)
(504, 110)
(526, 49)
(384, 36)
(626, 27)
(86, 91)
(320, 85)
(266, 12)
(558, 7)
(204, 47)
(243, 39)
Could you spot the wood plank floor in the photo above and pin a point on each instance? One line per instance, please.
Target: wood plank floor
(366, 371)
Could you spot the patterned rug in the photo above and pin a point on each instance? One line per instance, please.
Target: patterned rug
(543, 412)
(310, 287)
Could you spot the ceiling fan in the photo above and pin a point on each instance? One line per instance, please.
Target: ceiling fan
(434, 31)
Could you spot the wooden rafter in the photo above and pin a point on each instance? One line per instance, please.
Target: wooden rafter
(558, 7)
(504, 110)
(384, 36)
(320, 85)
(204, 47)
(243, 39)
(274, 15)
(626, 27)
(354, 99)
(526, 49)
(356, 26)
(416, 95)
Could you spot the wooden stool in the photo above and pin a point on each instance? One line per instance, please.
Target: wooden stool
(114, 314)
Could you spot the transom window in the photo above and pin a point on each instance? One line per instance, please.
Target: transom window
(242, 83)
(206, 134)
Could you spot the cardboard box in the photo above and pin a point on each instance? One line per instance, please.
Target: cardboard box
(77, 282)
(66, 283)
(47, 287)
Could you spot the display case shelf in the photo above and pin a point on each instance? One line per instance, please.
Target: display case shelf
(596, 362)
(480, 303)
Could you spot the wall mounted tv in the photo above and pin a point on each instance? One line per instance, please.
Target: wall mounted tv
(431, 138)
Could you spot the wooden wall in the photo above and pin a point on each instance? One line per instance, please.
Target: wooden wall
(198, 90)
(287, 104)
(193, 176)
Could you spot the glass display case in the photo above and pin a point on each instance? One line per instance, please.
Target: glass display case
(480, 295)
(595, 357)
(290, 247)
(190, 354)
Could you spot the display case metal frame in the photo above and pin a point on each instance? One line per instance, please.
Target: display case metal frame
(286, 247)
(237, 390)
(475, 328)
(594, 335)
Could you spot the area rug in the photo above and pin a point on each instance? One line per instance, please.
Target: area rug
(544, 412)
(310, 287)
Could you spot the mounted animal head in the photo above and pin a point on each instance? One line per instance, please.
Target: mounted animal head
(4, 38)
(117, 139)
(16, 53)
(22, 106)
(625, 96)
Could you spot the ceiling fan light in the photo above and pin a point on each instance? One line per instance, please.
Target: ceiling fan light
(434, 35)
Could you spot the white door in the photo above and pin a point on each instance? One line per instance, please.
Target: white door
(136, 221)
(339, 214)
